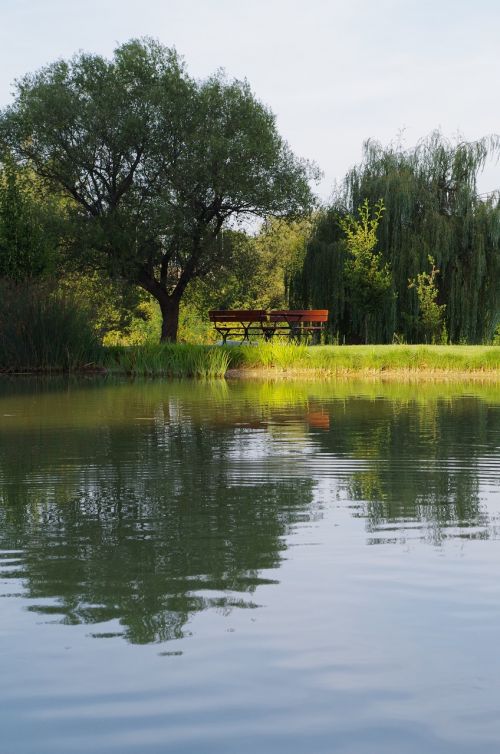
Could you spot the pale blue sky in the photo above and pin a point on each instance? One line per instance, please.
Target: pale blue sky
(334, 72)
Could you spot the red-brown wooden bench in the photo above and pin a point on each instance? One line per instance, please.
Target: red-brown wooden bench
(292, 322)
(298, 322)
(240, 322)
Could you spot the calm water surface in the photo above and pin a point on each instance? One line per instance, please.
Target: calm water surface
(249, 568)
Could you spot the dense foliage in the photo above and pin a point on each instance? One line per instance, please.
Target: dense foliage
(431, 314)
(155, 163)
(29, 225)
(432, 208)
(125, 184)
(367, 276)
(254, 275)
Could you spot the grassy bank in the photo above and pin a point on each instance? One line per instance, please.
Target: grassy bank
(284, 359)
(275, 359)
(378, 359)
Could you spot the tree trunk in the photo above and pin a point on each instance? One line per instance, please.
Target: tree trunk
(169, 305)
(170, 319)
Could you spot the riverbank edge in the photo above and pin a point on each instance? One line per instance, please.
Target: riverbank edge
(402, 375)
(283, 361)
(277, 374)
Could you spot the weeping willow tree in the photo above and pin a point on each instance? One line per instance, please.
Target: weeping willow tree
(432, 209)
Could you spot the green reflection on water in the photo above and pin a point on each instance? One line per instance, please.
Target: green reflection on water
(148, 502)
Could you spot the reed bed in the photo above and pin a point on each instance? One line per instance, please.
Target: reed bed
(171, 360)
(41, 330)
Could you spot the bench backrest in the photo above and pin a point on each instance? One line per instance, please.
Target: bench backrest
(238, 315)
(299, 315)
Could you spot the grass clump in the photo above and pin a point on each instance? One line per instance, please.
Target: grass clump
(169, 359)
(277, 354)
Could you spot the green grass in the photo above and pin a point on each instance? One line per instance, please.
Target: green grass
(172, 360)
(351, 359)
(282, 358)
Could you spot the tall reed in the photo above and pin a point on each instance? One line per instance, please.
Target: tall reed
(172, 360)
(40, 329)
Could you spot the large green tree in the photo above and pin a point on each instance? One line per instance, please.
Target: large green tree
(432, 208)
(156, 164)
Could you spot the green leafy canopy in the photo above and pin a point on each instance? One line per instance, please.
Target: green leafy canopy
(155, 162)
(432, 208)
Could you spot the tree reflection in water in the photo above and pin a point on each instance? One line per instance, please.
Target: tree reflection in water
(146, 503)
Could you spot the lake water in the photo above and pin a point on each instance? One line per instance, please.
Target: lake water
(249, 567)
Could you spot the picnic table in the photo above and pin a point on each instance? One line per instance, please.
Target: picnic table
(294, 323)
(298, 322)
(239, 322)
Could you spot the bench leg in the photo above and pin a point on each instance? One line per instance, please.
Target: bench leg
(223, 334)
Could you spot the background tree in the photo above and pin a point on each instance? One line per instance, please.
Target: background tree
(34, 264)
(432, 208)
(254, 269)
(156, 164)
(367, 276)
(431, 313)
(29, 225)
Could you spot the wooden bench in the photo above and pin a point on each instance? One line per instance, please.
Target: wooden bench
(298, 322)
(295, 323)
(240, 322)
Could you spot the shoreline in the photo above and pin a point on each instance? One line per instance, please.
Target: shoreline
(389, 375)
(402, 374)
(279, 361)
